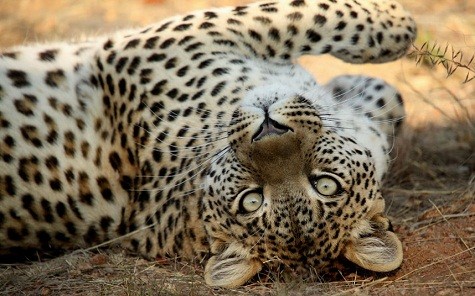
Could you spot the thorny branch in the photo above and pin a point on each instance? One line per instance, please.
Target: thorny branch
(450, 58)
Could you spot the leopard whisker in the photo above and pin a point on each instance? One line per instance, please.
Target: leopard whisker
(219, 154)
(164, 134)
(161, 119)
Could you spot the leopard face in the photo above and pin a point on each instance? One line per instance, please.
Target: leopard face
(290, 190)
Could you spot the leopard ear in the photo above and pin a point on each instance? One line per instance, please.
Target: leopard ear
(231, 269)
(381, 251)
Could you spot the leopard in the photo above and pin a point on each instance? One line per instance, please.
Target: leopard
(201, 137)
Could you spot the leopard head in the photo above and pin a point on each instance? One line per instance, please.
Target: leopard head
(293, 191)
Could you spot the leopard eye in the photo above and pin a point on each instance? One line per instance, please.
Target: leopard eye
(326, 185)
(251, 202)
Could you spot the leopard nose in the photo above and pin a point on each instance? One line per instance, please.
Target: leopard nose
(270, 127)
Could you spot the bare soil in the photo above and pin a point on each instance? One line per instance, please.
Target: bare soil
(430, 191)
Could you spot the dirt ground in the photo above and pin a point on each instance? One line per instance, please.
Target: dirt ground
(430, 191)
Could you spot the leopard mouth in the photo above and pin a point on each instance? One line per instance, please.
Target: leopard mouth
(270, 127)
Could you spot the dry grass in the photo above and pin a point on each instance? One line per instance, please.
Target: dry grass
(430, 192)
(451, 59)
